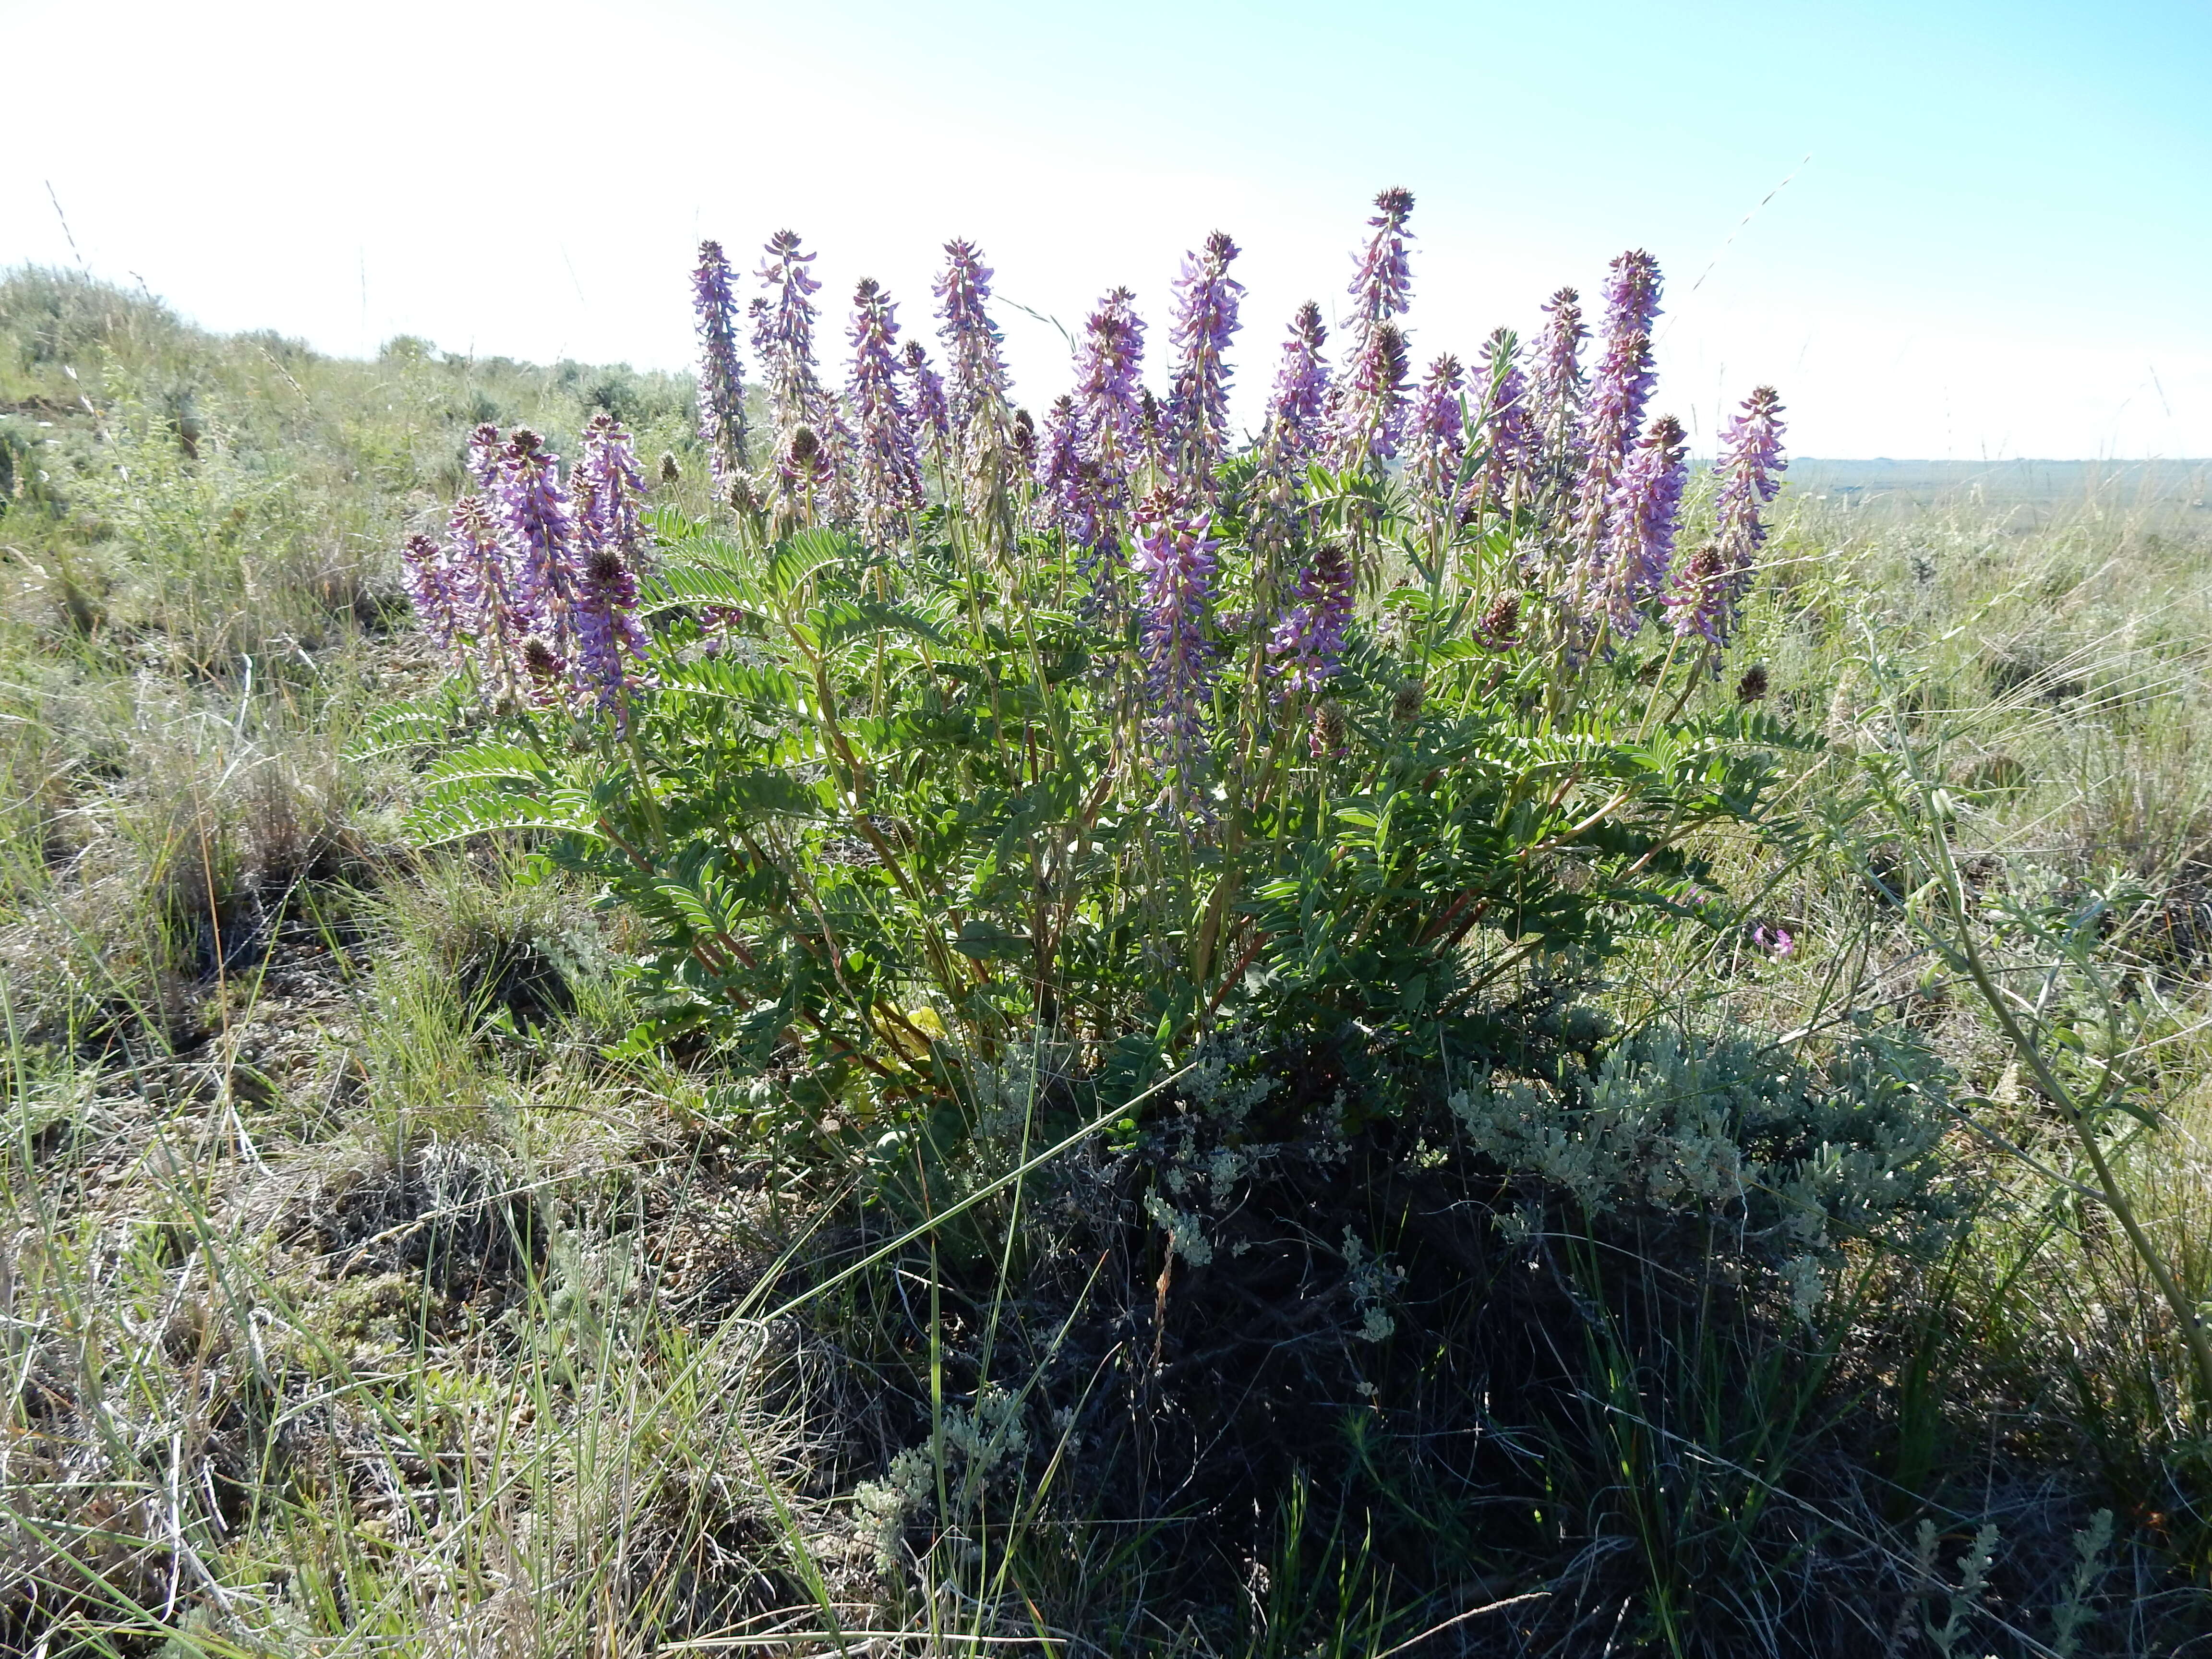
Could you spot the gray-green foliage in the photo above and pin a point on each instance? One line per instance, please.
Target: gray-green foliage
(1805, 1153)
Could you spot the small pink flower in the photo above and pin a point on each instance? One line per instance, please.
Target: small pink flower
(1776, 941)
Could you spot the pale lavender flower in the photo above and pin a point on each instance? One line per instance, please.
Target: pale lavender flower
(486, 448)
(1370, 404)
(1298, 408)
(783, 332)
(979, 384)
(1775, 939)
(1173, 558)
(721, 380)
(1107, 393)
(1557, 382)
(1510, 434)
(430, 588)
(1197, 425)
(889, 466)
(1612, 408)
(925, 391)
(1704, 600)
(1370, 399)
(1307, 644)
(800, 466)
(1641, 522)
(490, 600)
(542, 521)
(609, 486)
(1750, 468)
(1436, 437)
(1384, 283)
(611, 548)
(1067, 494)
(609, 638)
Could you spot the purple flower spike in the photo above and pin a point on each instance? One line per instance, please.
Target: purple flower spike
(1308, 642)
(609, 638)
(1704, 600)
(1383, 284)
(540, 519)
(1557, 386)
(1107, 393)
(609, 486)
(1370, 406)
(1750, 470)
(1173, 559)
(490, 600)
(1509, 429)
(722, 382)
(783, 331)
(1612, 411)
(486, 449)
(889, 481)
(1436, 437)
(1371, 412)
(1646, 504)
(972, 341)
(925, 392)
(430, 588)
(1066, 500)
(1299, 405)
(1206, 297)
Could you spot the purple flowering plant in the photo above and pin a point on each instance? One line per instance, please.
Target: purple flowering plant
(940, 726)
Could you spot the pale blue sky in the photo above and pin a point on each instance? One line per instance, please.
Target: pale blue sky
(2000, 245)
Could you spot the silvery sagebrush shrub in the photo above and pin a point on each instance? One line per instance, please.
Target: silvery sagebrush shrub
(1800, 1156)
(965, 737)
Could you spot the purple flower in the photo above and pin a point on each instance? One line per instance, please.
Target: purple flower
(539, 518)
(1371, 409)
(1641, 520)
(611, 539)
(1173, 559)
(485, 449)
(783, 338)
(1613, 409)
(609, 486)
(972, 341)
(1383, 284)
(1307, 646)
(430, 588)
(1106, 390)
(1299, 402)
(1066, 501)
(1750, 468)
(890, 468)
(1704, 600)
(1775, 941)
(489, 599)
(925, 391)
(1206, 297)
(1557, 384)
(607, 633)
(783, 331)
(1510, 434)
(1436, 437)
(722, 382)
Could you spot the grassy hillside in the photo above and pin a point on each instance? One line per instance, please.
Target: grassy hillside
(378, 1276)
